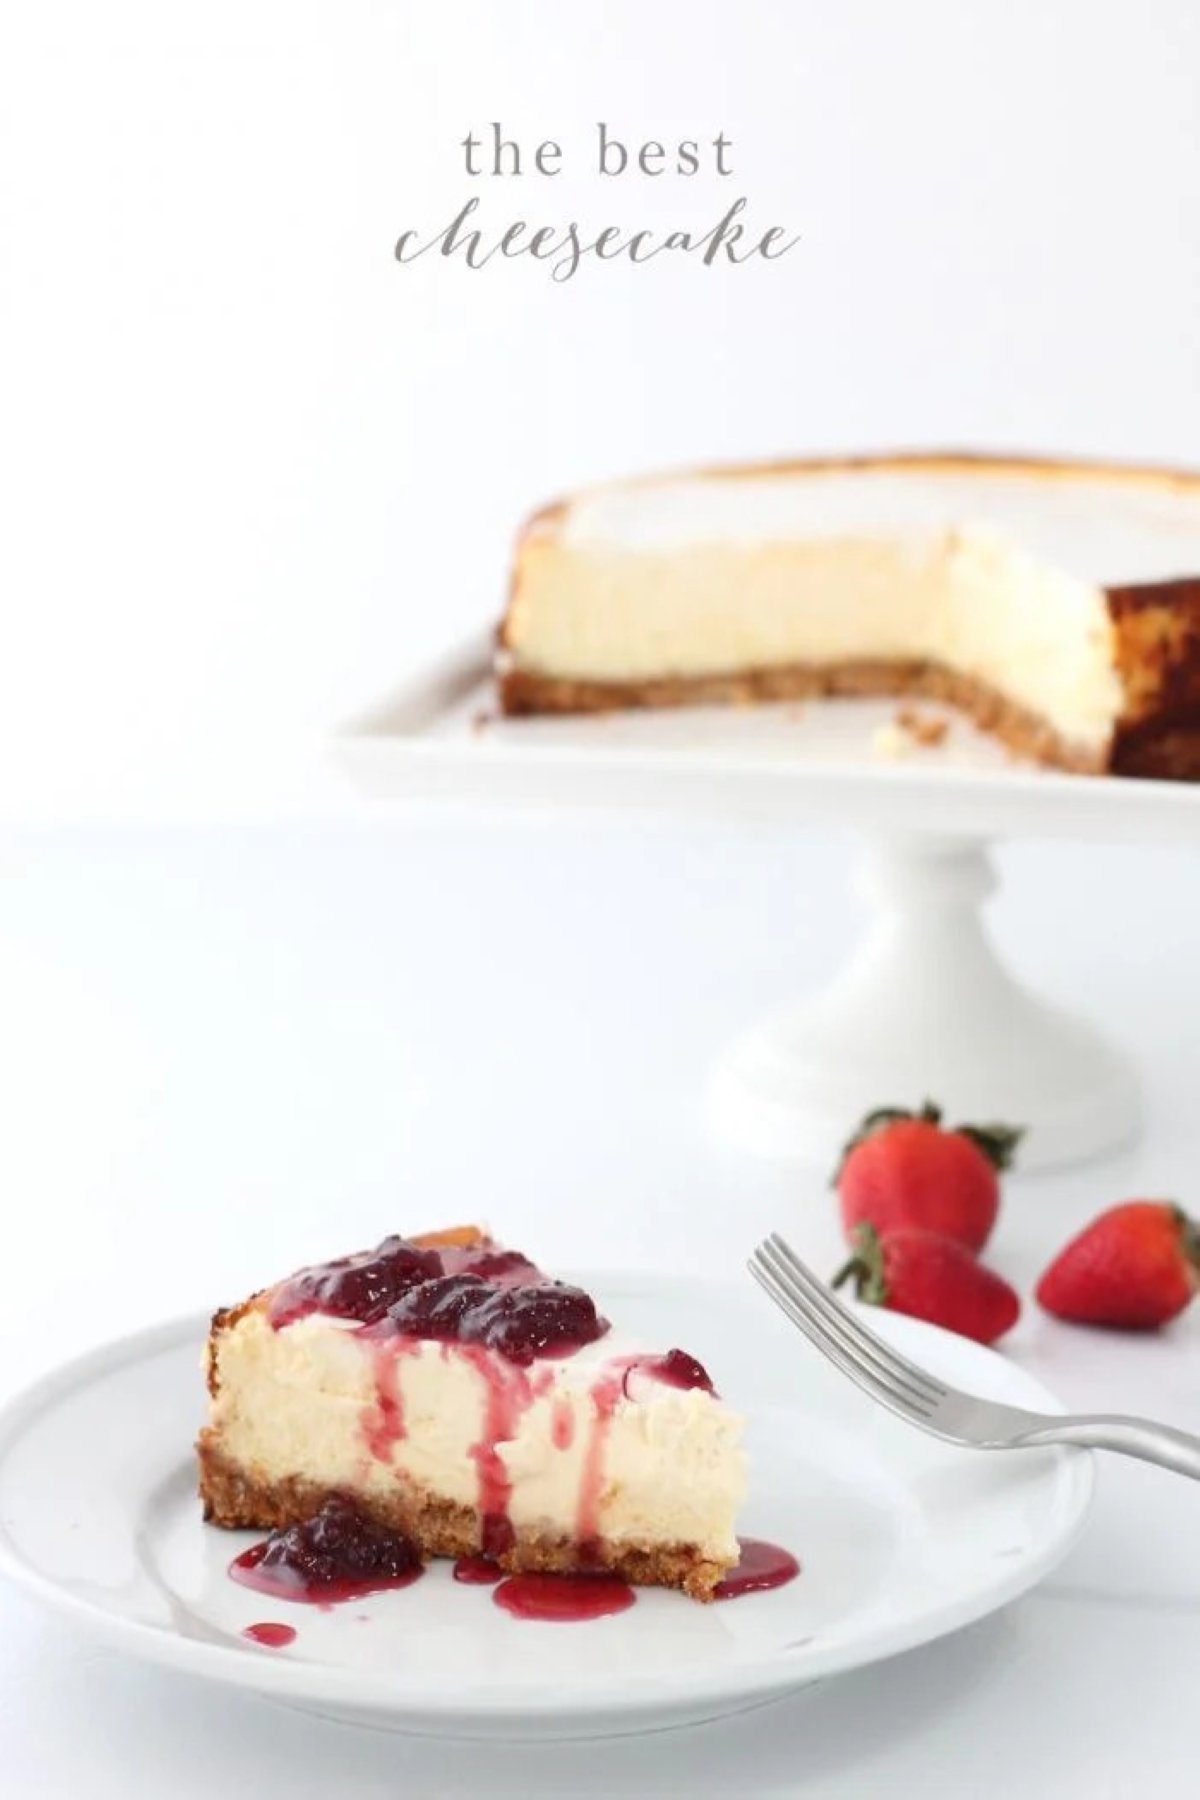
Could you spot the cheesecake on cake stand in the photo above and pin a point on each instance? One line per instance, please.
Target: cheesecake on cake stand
(938, 651)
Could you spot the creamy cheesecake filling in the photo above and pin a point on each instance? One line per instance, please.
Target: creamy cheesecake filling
(964, 600)
(1042, 639)
(589, 1445)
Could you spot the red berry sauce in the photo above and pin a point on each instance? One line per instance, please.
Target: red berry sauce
(338, 1554)
(477, 1571)
(562, 1423)
(605, 1395)
(383, 1423)
(270, 1635)
(563, 1599)
(761, 1566)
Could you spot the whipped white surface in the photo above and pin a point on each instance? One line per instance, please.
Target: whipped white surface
(1106, 530)
(298, 1401)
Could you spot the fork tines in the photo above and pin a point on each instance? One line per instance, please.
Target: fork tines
(840, 1334)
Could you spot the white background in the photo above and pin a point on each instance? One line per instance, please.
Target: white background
(253, 468)
(253, 472)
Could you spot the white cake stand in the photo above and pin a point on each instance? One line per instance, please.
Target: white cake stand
(925, 1006)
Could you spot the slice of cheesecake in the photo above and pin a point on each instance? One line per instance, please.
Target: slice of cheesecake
(1058, 604)
(459, 1396)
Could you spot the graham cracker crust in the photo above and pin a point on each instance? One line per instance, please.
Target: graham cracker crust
(239, 1499)
(524, 691)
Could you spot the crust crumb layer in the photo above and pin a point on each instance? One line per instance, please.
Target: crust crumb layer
(524, 691)
(240, 1499)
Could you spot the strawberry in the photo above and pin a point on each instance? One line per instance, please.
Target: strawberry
(930, 1277)
(1136, 1266)
(903, 1168)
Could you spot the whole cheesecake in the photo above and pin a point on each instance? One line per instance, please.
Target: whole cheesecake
(456, 1395)
(1056, 603)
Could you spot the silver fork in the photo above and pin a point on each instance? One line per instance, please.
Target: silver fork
(947, 1412)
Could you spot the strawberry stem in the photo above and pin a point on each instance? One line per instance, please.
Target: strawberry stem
(865, 1268)
(1189, 1242)
(853, 1269)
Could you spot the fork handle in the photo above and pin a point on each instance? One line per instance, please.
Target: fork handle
(1161, 1444)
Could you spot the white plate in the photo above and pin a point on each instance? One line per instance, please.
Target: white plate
(901, 1538)
(438, 738)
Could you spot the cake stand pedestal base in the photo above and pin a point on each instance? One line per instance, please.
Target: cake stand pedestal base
(926, 1010)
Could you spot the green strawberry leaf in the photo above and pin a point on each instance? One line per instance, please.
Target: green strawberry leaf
(1189, 1240)
(997, 1142)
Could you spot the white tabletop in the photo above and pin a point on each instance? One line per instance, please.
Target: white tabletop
(226, 1050)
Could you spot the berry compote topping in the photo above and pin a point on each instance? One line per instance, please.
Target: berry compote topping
(338, 1554)
(475, 1294)
(521, 1323)
(501, 1268)
(676, 1369)
(358, 1287)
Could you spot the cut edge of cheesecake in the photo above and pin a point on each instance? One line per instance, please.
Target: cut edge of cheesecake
(240, 1492)
(1154, 629)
